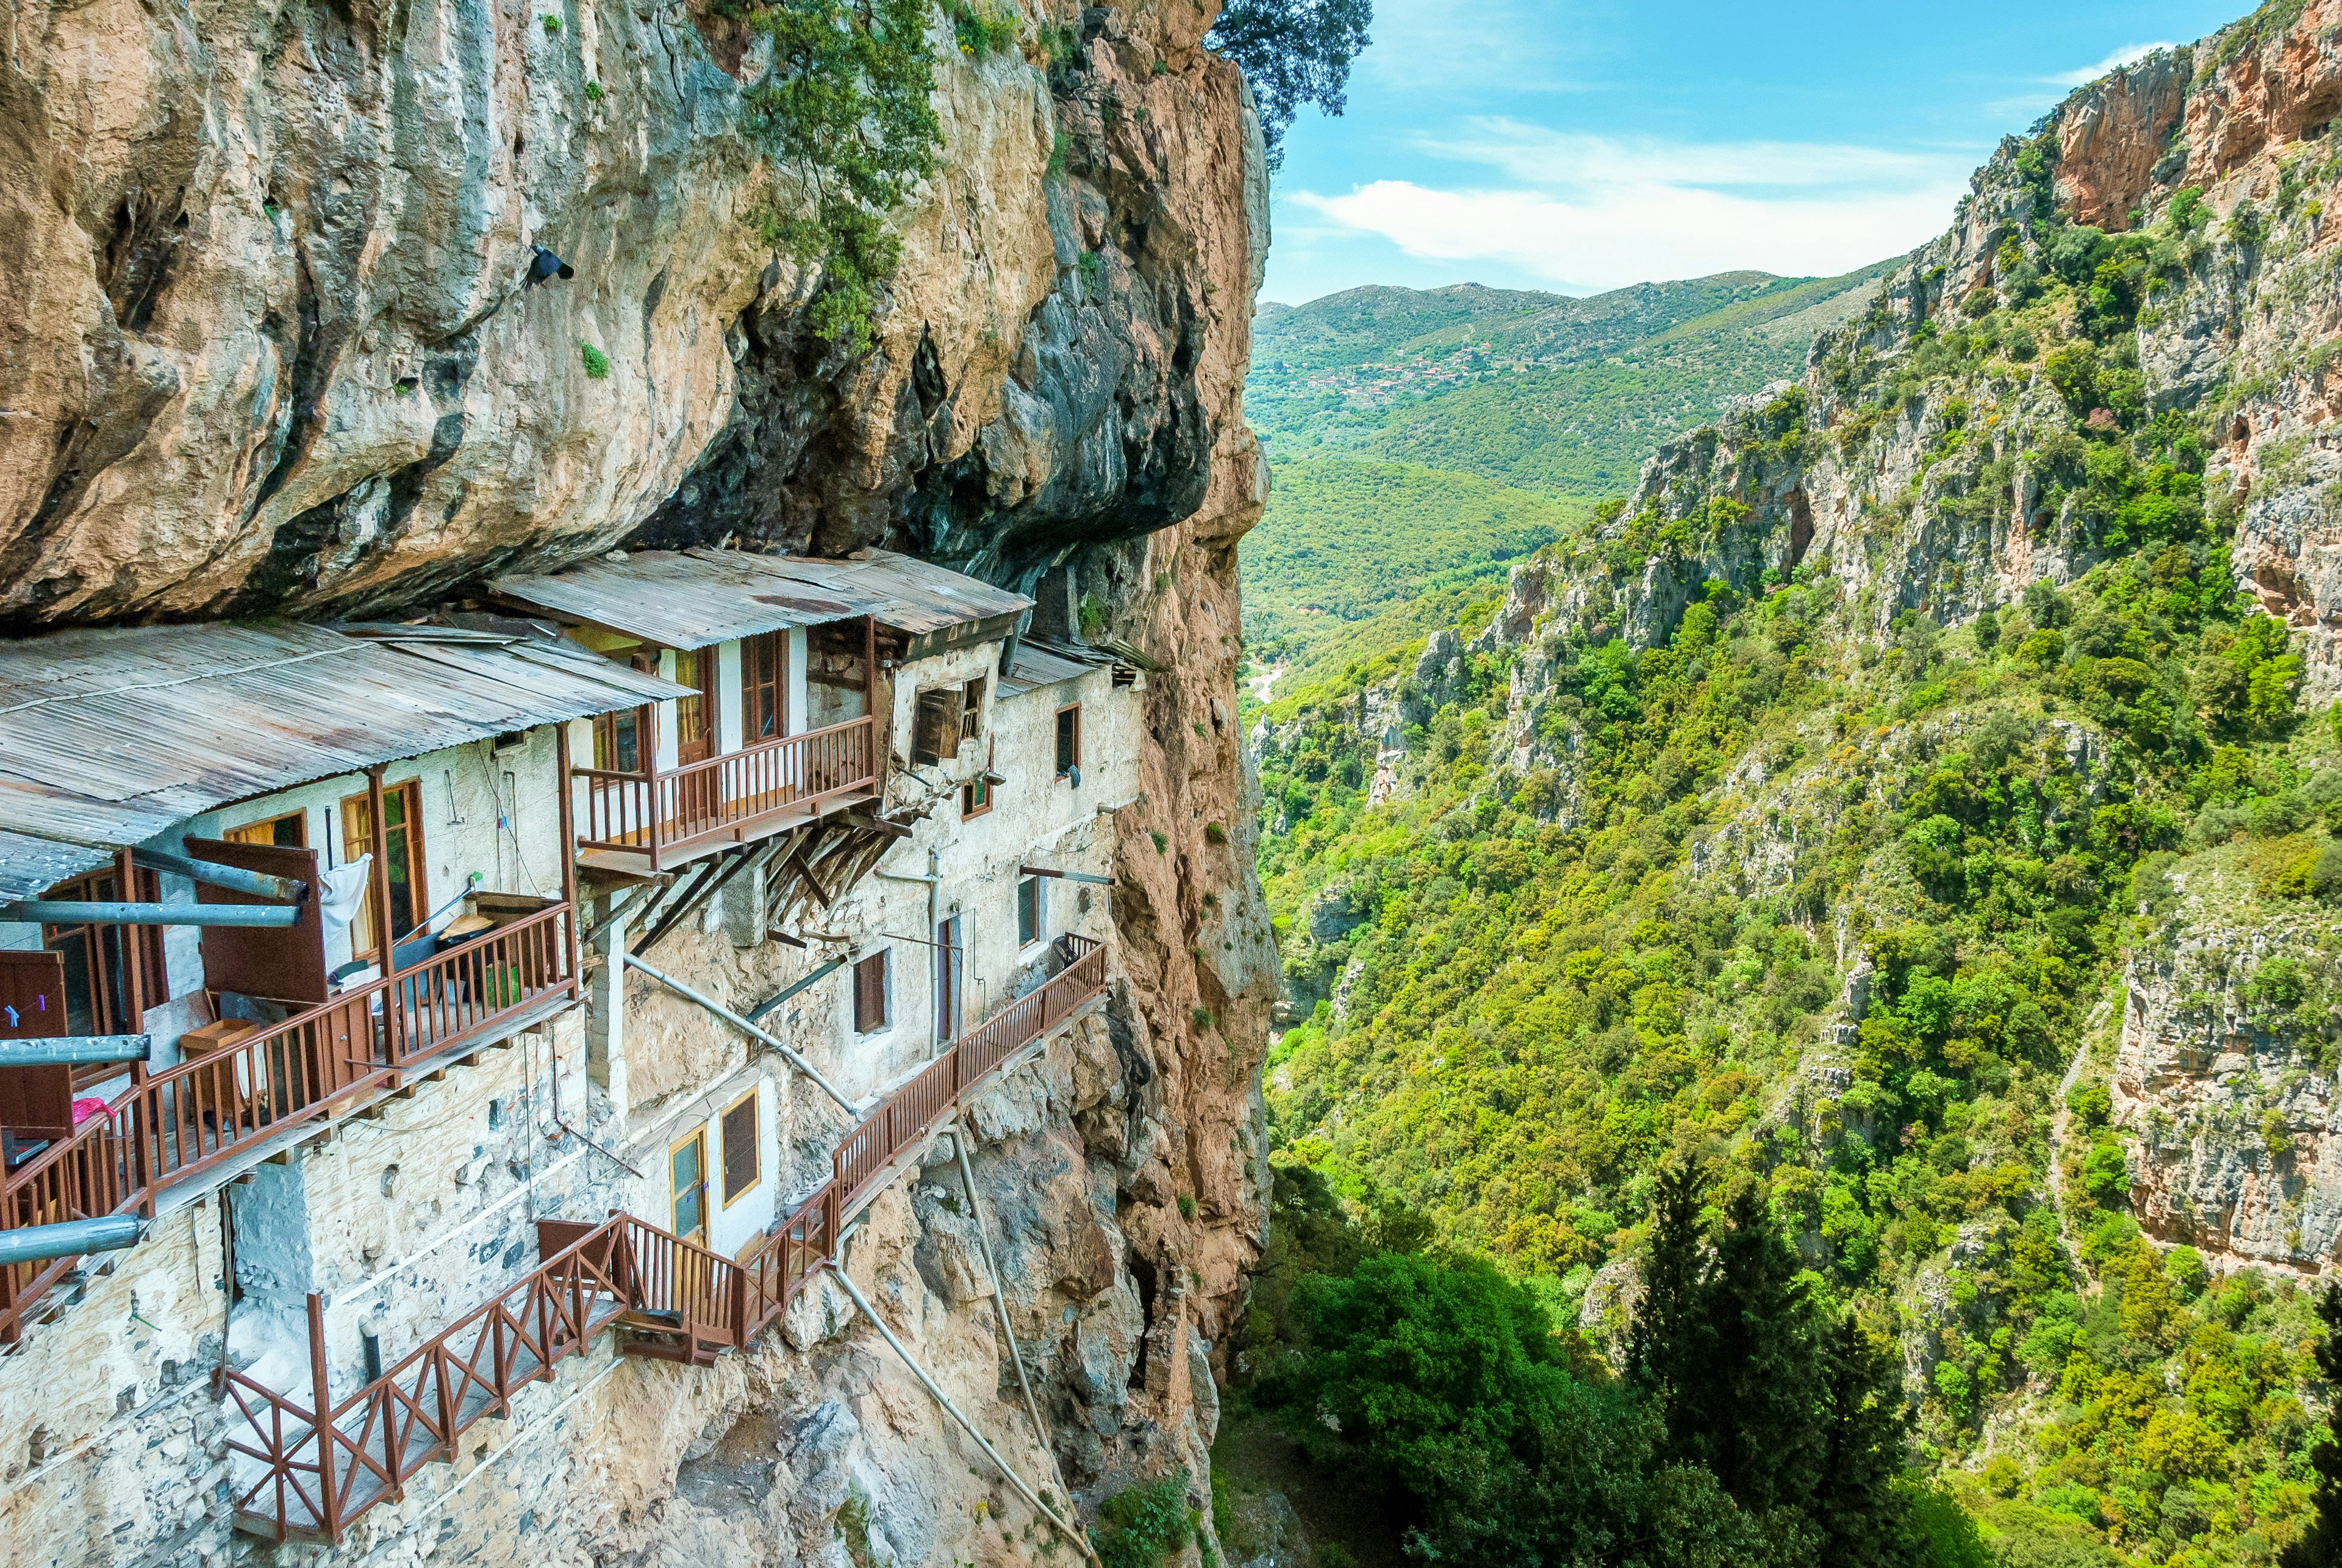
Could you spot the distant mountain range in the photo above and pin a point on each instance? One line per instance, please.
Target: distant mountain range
(1422, 432)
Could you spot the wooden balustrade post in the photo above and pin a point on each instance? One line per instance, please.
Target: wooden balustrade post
(321, 1423)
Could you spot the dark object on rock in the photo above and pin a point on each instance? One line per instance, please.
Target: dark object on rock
(545, 264)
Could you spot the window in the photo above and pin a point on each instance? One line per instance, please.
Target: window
(694, 716)
(1031, 909)
(975, 796)
(740, 1168)
(687, 1165)
(401, 807)
(290, 831)
(97, 984)
(936, 731)
(764, 686)
(1069, 742)
(618, 737)
(870, 994)
(971, 709)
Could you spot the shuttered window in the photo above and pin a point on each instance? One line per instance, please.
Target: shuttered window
(870, 993)
(740, 1172)
(936, 734)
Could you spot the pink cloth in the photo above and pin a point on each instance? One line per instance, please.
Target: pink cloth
(82, 1110)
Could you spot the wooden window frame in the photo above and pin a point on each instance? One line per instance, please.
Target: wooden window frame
(357, 839)
(885, 1008)
(759, 698)
(108, 1005)
(975, 798)
(971, 710)
(1040, 912)
(247, 831)
(699, 1135)
(703, 681)
(646, 716)
(756, 1145)
(1065, 767)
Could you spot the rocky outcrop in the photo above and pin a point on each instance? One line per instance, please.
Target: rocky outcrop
(274, 342)
(2225, 1074)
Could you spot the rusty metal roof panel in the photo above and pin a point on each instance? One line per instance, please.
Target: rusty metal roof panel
(1034, 665)
(692, 598)
(108, 737)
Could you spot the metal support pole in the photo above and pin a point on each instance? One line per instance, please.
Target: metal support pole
(89, 912)
(568, 847)
(69, 1239)
(76, 1050)
(1000, 1302)
(846, 1281)
(788, 1054)
(258, 884)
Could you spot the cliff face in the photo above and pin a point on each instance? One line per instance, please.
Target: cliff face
(274, 343)
(272, 347)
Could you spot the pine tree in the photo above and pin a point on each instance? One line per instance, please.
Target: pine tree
(1860, 1515)
(2322, 1546)
(1670, 1353)
(1765, 1419)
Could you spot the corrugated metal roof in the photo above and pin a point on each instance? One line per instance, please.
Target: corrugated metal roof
(692, 598)
(1036, 664)
(108, 737)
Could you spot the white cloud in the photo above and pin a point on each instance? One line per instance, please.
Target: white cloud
(2127, 55)
(1590, 212)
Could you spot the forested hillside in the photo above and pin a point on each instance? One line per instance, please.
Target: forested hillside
(1497, 402)
(1910, 815)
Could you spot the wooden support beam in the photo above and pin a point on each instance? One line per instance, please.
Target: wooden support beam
(870, 824)
(1068, 875)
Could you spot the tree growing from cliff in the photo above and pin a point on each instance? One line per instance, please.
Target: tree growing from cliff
(2321, 1545)
(1293, 52)
(844, 114)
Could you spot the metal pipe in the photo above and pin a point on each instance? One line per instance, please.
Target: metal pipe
(793, 1059)
(82, 912)
(234, 878)
(69, 1239)
(76, 1050)
(846, 1281)
(1000, 1302)
(756, 1014)
(1068, 875)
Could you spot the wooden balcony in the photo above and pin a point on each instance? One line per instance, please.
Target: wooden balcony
(656, 821)
(182, 1123)
(297, 1476)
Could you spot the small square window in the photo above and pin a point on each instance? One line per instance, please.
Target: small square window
(870, 993)
(975, 796)
(1030, 910)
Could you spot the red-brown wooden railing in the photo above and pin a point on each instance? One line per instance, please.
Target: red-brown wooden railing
(664, 815)
(184, 1121)
(293, 1484)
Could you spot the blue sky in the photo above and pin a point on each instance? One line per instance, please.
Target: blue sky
(1583, 145)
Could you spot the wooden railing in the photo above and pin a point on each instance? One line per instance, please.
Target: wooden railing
(625, 1271)
(662, 814)
(182, 1122)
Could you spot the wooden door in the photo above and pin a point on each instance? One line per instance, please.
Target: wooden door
(694, 715)
(410, 901)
